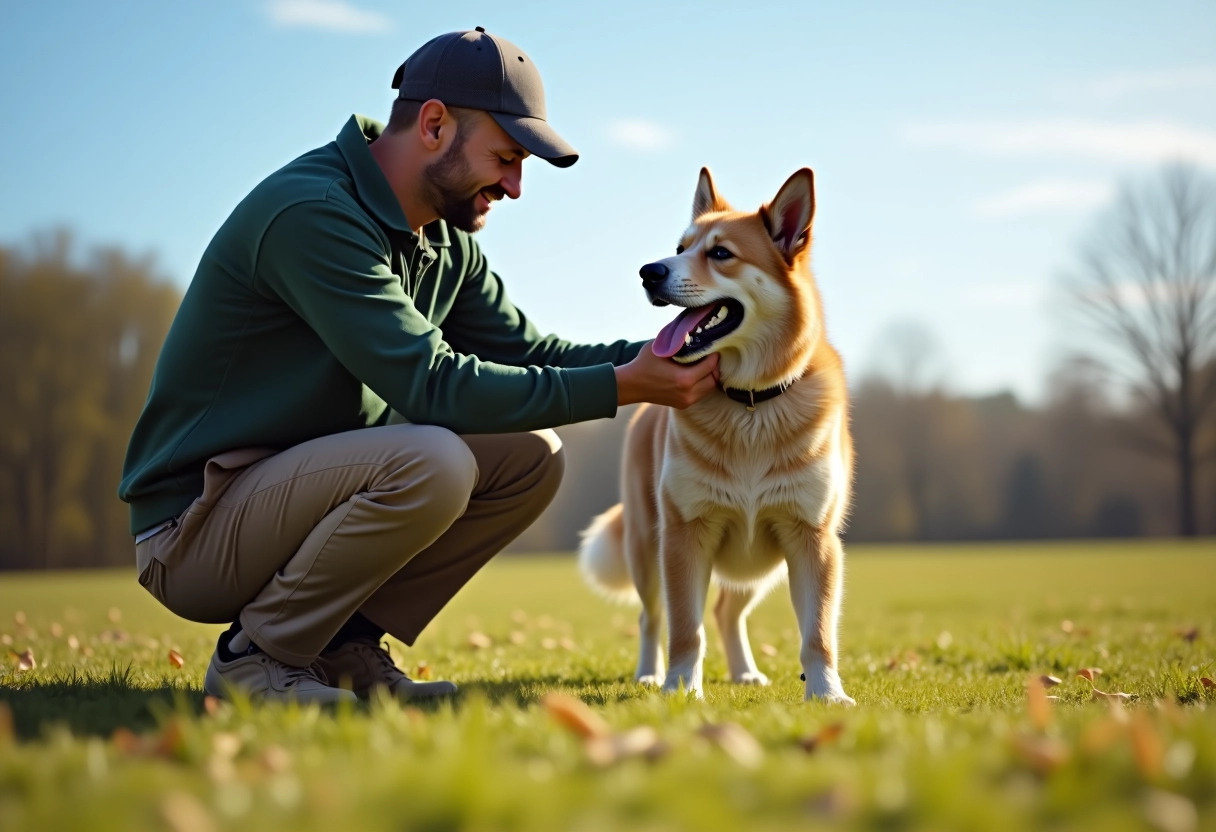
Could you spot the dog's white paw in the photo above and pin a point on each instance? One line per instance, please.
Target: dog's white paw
(752, 678)
(650, 680)
(677, 682)
(823, 683)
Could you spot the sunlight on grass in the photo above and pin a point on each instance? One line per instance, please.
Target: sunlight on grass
(943, 648)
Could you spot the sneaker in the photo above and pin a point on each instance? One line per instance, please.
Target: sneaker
(264, 678)
(365, 665)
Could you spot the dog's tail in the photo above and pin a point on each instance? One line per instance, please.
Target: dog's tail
(601, 556)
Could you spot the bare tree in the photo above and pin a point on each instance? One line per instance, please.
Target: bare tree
(1147, 282)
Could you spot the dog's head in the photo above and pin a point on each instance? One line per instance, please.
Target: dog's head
(745, 283)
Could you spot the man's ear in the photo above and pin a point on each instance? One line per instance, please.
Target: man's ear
(788, 216)
(706, 198)
(433, 119)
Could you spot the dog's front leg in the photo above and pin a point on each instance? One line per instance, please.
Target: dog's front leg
(686, 572)
(816, 570)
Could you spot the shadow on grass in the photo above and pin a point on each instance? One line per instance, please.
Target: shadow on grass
(94, 706)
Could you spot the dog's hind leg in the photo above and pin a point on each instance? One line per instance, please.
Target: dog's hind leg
(731, 611)
(816, 567)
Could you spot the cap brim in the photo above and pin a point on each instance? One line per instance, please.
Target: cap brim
(538, 138)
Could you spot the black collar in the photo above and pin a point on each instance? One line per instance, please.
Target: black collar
(751, 398)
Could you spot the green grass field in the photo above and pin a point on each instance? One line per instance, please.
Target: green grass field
(937, 646)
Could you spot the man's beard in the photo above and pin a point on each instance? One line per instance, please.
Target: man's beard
(452, 190)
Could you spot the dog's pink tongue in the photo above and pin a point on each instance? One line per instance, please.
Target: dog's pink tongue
(669, 341)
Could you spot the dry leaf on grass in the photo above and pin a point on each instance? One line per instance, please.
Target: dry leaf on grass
(423, 671)
(184, 813)
(1147, 748)
(1089, 673)
(1037, 704)
(1170, 812)
(1207, 683)
(1103, 696)
(826, 735)
(574, 715)
(1043, 754)
(768, 650)
(479, 641)
(25, 659)
(642, 741)
(735, 740)
(211, 705)
(1049, 681)
(175, 659)
(1188, 634)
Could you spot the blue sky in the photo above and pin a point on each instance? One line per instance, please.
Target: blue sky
(961, 151)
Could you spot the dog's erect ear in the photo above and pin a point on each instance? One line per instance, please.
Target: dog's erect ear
(788, 216)
(706, 198)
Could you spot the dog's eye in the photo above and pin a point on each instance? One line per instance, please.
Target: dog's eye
(679, 249)
(720, 253)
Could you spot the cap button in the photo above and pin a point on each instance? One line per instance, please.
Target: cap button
(481, 29)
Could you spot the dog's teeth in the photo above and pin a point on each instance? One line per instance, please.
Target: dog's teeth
(688, 338)
(699, 330)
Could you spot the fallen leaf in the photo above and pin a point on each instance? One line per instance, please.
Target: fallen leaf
(26, 660)
(1036, 703)
(1170, 812)
(211, 705)
(56, 630)
(276, 759)
(1100, 736)
(1147, 748)
(184, 813)
(826, 735)
(1099, 695)
(226, 745)
(1043, 754)
(73, 643)
(175, 659)
(1188, 633)
(1207, 683)
(735, 740)
(1089, 673)
(642, 741)
(1049, 681)
(171, 740)
(1066, 625)
(574, 715)
(568, 644)
(423, 671)
(479, 641)
(126, 741)
(768, 650)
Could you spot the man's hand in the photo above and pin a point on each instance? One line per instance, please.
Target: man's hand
(649, 378)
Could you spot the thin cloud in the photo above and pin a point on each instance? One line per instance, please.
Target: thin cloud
(1199, 80)
(641, 135)
(328, 15)
(1141, 142)
(1043, 196)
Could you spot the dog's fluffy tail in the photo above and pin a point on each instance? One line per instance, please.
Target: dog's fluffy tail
(601, 556)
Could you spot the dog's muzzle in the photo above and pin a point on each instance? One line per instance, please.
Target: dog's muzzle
(654, 275)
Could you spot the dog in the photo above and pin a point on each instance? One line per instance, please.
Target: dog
(751, 484)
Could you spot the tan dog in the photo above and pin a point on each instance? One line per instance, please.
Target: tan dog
(752, 482)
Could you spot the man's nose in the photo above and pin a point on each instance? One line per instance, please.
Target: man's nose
(512, 183)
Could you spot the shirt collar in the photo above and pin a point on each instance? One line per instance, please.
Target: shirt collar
(373, 189)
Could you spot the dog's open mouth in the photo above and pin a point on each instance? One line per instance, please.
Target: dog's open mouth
(696, 329)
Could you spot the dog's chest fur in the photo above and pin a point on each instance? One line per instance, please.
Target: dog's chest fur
(748, 478)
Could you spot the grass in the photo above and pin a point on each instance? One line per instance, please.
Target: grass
(937, 645)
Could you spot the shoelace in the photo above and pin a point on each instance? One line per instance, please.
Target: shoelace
(385, 658)
(312, 673)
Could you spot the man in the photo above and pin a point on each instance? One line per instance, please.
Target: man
(348, 417)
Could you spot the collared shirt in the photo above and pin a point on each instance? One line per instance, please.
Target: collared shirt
(316, 309)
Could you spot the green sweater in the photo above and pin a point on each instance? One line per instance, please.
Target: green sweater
(315, 309)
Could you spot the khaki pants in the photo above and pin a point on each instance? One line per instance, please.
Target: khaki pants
(390, 522)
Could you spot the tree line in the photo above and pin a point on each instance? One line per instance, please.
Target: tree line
(1123, 445)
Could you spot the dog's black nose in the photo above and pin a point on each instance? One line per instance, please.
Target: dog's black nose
(653, 274)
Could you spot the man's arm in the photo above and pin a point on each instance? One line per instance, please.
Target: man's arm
(331, 268)
(484, 322)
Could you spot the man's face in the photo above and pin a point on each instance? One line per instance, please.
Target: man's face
(482, 165)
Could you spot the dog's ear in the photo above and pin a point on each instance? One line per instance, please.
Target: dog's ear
(706, 198)
(788, 216)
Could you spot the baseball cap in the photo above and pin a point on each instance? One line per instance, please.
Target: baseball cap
(485, 72)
